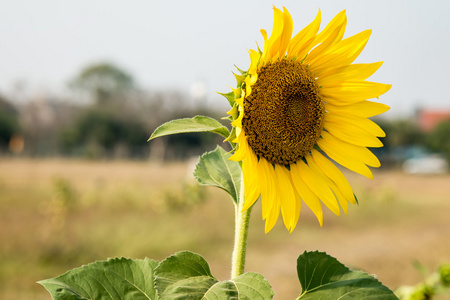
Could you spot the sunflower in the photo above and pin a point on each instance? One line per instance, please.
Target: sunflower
(301, 105)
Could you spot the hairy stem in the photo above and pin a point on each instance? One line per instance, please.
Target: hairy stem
(240, 236)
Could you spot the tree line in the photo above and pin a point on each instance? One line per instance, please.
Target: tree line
(109, 117)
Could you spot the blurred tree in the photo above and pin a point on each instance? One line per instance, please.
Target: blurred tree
(403, 140)
(103, 83)
(9, 123)
(122, 117)
(114, 122)
(439, 139)
(401, 133)
(101, 132)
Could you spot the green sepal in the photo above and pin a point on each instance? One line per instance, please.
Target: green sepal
(324, 277)
(356, 199)
(237, 92)
(195, 124)
(230, 97)
(234, 112)
(216, 169)
(231, 137)
(115, 279)
(229, 118)
(241, 71)
(239, 79)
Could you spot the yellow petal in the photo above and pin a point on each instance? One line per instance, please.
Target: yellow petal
(237, 92)
(362, 123)
(272, 44)
(332, 33)
(238, 121)
(332, 172)
(316, 183)
(248, 89)
(308, 196)
(318, 52)
(342, 201)
(254, 61)
(285, 192)
(337, 193)
(338, 21)
(285, 39)
(304, 38)
(271, 201)
(251, 184)
(240, 101)
(268, 197)
(273, 217)
(264, 34)
(361, 153)
(350, 156)
(348, 72)
(363, 109)
(350, 92)
(330, 183)
(350, 133)
(341, 53)
(239, 132)
(243, 150)
(298, 203)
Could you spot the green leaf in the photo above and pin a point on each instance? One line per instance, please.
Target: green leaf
(186, 275)
(248, 286)
(117, 278)
(214, 168)
(195, 124)
(323, 277)
(182, 265)
(190, 288)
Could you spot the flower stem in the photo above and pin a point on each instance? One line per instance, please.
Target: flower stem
(240, 236)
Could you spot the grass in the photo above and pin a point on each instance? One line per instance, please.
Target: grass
(59, 214)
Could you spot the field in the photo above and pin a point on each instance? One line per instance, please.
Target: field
(60, 214)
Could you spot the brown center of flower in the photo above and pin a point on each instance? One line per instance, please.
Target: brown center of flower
(283, 115)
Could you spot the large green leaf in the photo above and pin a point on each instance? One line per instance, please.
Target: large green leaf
(323, 277)
(195, 124)
(214, 168)
(186, 275)
(117, 278)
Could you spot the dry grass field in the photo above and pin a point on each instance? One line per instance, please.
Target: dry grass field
(60, 214)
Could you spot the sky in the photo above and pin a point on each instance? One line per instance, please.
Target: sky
(194, 45)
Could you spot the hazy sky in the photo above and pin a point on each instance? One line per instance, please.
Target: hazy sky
(163, 44)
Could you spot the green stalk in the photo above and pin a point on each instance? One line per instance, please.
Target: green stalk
(240, 236)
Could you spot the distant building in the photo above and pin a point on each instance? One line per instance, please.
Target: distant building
(428, 119)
